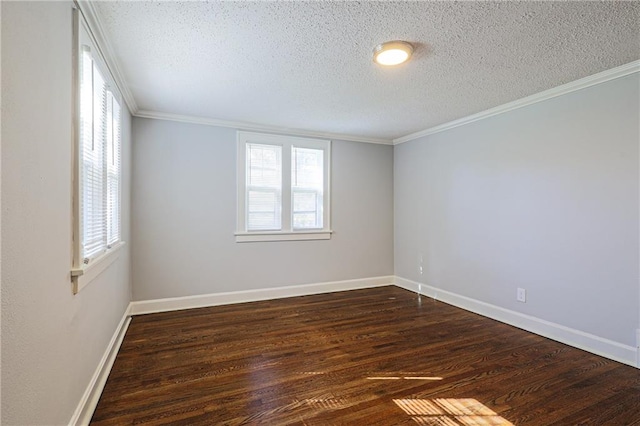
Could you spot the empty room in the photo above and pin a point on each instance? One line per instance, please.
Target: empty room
(320, 213)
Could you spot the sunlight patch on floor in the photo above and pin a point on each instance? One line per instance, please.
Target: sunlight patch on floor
(450, 412)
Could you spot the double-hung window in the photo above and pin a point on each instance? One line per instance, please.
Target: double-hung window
(97, 176)
(283, 188)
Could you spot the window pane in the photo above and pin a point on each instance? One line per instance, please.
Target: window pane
(307, 187)
(264, 187)
(113, 170)
(304, 220)
(264, 212)
(305, 201)
(93, 106)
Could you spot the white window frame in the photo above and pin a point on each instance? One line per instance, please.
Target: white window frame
(286, 233)
(85, 270)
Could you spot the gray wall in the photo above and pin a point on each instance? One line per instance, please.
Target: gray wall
(184, 217)
(544, 197)
(52, 341)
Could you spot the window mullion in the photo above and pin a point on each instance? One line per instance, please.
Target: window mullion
(286, 188)
(105, 167)
(326, 190)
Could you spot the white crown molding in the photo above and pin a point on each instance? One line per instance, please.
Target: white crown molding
(621, 71)
(242, 125)
(91, 16)
(578, 339)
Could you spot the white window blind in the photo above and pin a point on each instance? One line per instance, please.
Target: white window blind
(283, 188)
(307, 183)
(99, 160)
(113, 170)
(264, 187)
(93, 104)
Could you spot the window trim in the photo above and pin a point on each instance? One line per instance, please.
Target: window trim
(287, 233)
(82, 274)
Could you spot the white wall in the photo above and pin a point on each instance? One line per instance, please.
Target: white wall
(184, 217)
(52, 341)
(544, 197)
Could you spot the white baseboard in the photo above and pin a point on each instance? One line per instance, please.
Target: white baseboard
(215, 299)
(569, 336)
(91, 396)
(86, 407)
(579, 339)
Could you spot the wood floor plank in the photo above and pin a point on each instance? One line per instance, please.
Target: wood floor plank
(381, 356)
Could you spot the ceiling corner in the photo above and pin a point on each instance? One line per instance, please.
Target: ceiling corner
(91, 16)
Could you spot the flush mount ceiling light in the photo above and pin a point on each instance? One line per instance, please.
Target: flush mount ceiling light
(392, 52)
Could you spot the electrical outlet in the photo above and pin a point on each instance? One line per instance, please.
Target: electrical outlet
(521, 295)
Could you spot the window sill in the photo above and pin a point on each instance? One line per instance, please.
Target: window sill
(81, 277)
(252, 237)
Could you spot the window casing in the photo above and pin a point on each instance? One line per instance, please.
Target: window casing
(283, 188)
(97, 159)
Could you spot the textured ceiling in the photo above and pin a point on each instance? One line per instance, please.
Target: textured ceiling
(307, 65)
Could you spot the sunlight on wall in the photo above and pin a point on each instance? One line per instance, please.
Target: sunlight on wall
(450, 412)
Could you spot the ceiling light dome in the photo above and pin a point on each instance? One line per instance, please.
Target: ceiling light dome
(392, 52)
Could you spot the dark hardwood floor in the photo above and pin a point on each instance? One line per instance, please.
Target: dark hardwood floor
(378, 356)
